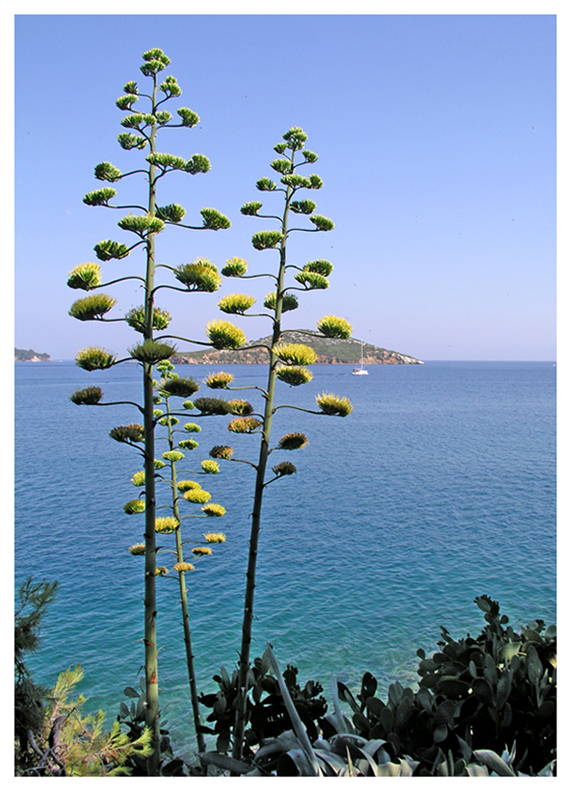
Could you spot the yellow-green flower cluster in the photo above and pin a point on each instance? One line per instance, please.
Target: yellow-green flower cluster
(244, 425)
(225, 335)
(214, 510)
(330, 404)
(85, 276)
(221, 379)
(138, 479)
(134, 507)
(201, 551)
(215, 538)
(334, 327)
(166, 525)
(137, 549)
(183, 566)
(185, 486)
(197, 495)
(295, 354)
(210, 466)
(234, 268)
(161, 571)
(236, 303)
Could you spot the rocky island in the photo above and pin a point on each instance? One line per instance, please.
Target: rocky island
(328, 350)
(29, 355)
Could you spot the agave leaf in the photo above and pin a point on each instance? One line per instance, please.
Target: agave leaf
(476, 770)
(345, 694)
(338, 719)
(224, 762)
(304, 766)
(299, 729)
(283, 743)
(493, 761)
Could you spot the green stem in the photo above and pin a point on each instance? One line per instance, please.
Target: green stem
(151, 651)
(248, 615)
(201, 744)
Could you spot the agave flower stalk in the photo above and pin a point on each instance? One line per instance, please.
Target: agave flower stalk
(149, 221)
(286, 361)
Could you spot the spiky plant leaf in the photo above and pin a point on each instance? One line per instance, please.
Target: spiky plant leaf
(330, 404)
(295, 354)
(294, 375)
(85, 276)
(95, 306)
(234, 268)
(236, 303)
(225, 335)
(105, 171)
(94, 358)
(91, 395)
(334, 327)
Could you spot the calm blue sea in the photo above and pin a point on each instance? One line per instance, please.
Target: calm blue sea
(440, 486)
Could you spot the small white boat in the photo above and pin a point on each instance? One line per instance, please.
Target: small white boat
(361, 371)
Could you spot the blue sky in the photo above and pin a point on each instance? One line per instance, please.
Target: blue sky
(436, 137)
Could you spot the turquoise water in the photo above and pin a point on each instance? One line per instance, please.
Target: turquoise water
(440, 486)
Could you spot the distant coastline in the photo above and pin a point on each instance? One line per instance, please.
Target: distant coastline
(30, 356)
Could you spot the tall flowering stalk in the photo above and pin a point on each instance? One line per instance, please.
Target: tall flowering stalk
(286, 362)
(140, 135)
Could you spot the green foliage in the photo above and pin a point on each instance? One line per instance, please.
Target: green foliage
(94, 358)
(198, 163)
(85, 276)
(95, 306)
(265, 185)
(188, 117)
(320, 266)
(91, 395)
(128, 141)
(303, 207)
(322, 223)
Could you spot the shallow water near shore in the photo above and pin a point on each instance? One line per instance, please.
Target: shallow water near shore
(440, 486)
